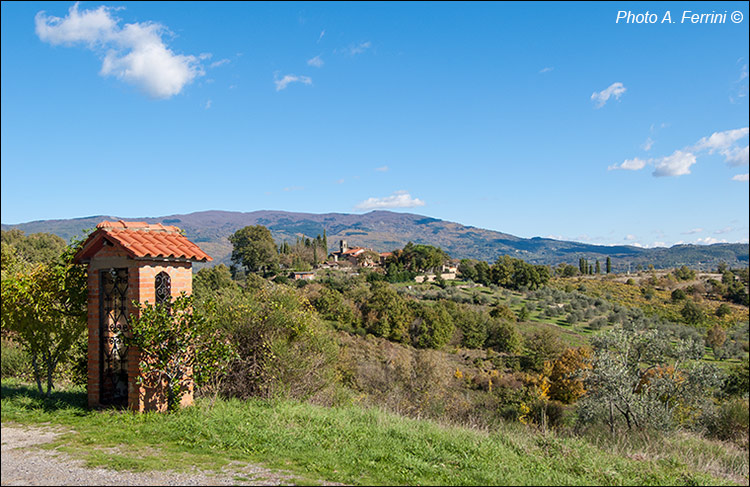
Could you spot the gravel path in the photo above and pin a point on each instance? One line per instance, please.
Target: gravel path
(23, 463)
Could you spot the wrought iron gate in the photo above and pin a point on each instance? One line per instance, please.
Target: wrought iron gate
(113, 324)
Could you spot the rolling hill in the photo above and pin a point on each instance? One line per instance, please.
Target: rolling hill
(386, 230)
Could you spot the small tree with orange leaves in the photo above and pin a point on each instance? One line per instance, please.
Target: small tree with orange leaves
(567, 374)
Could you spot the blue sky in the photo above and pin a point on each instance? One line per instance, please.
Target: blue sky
(551, 120)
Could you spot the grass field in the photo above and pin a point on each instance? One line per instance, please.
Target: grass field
(363, 446)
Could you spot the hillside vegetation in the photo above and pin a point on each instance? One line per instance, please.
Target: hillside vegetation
(517, 373)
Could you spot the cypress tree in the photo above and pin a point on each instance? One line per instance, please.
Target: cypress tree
(609, 265)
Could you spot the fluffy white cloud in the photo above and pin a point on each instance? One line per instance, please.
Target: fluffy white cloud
(629, 165)
(740, 177)
(614, 90)
(546, 70)
(399, 199)
(677, 164)
(316, 62)
(648, 144)
(724, 144)
(737, 156)
(291, 78)
(134, 53)
(709, 241)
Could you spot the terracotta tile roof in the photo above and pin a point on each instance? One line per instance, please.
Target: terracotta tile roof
(353, 251)
(141, 240)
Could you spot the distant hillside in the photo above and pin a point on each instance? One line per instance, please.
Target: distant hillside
(386, 230)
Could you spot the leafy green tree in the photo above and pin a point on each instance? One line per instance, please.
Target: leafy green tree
(609, 265)
(421, 258)
(566, 270)
(598, 268)
(678, 295)
(523, 313)
(684, 273)
(723, 310)
(542, 346)
(503, 312)
(502, 336)
(254, 248)
(433, 325)
(210, 280)
(45, 307)
(692, 313)
(44, 248)
(177, 346)
(645, 378)
(483, 272)
(386, 314)
(467, 270)
(473, 324)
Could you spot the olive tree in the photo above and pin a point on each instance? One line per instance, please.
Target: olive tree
(645, 378)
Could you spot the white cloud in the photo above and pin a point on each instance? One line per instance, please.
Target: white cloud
(724, 230)
(546, 70)
(719, 141)
(220, 62)
(629, 237)
(340, 181)
(134, 53)
(693, 231)
(316, 62)
(678, 164)
(355, 49)
(399, 199)
(709, 241)
(614, 90)
(208, 104)
(382, 168)
(740, 177)
(648, 144)
(291, 78)
(737, 156)
(629, 165)
(322, 33)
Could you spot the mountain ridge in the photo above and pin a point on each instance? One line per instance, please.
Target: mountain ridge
(387, 230)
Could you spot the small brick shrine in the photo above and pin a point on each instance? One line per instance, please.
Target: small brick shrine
(130, 262)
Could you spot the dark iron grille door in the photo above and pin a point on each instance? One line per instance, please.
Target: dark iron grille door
(113, 358)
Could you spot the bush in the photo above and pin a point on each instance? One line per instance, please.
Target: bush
(731, 422)
(678, 295)
(15, 360)
(283, 346)
(598, 324)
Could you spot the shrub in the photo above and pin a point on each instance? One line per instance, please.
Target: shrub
(15, 360)
(731, 421)
(678, 295)
(284, 349)
(502, 336)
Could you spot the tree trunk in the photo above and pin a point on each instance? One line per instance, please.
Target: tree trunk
(37, 373)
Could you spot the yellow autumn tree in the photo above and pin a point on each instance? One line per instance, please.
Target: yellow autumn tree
(565, 374)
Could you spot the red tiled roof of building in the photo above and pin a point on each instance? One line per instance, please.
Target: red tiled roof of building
(141, 240)
(354, 251)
